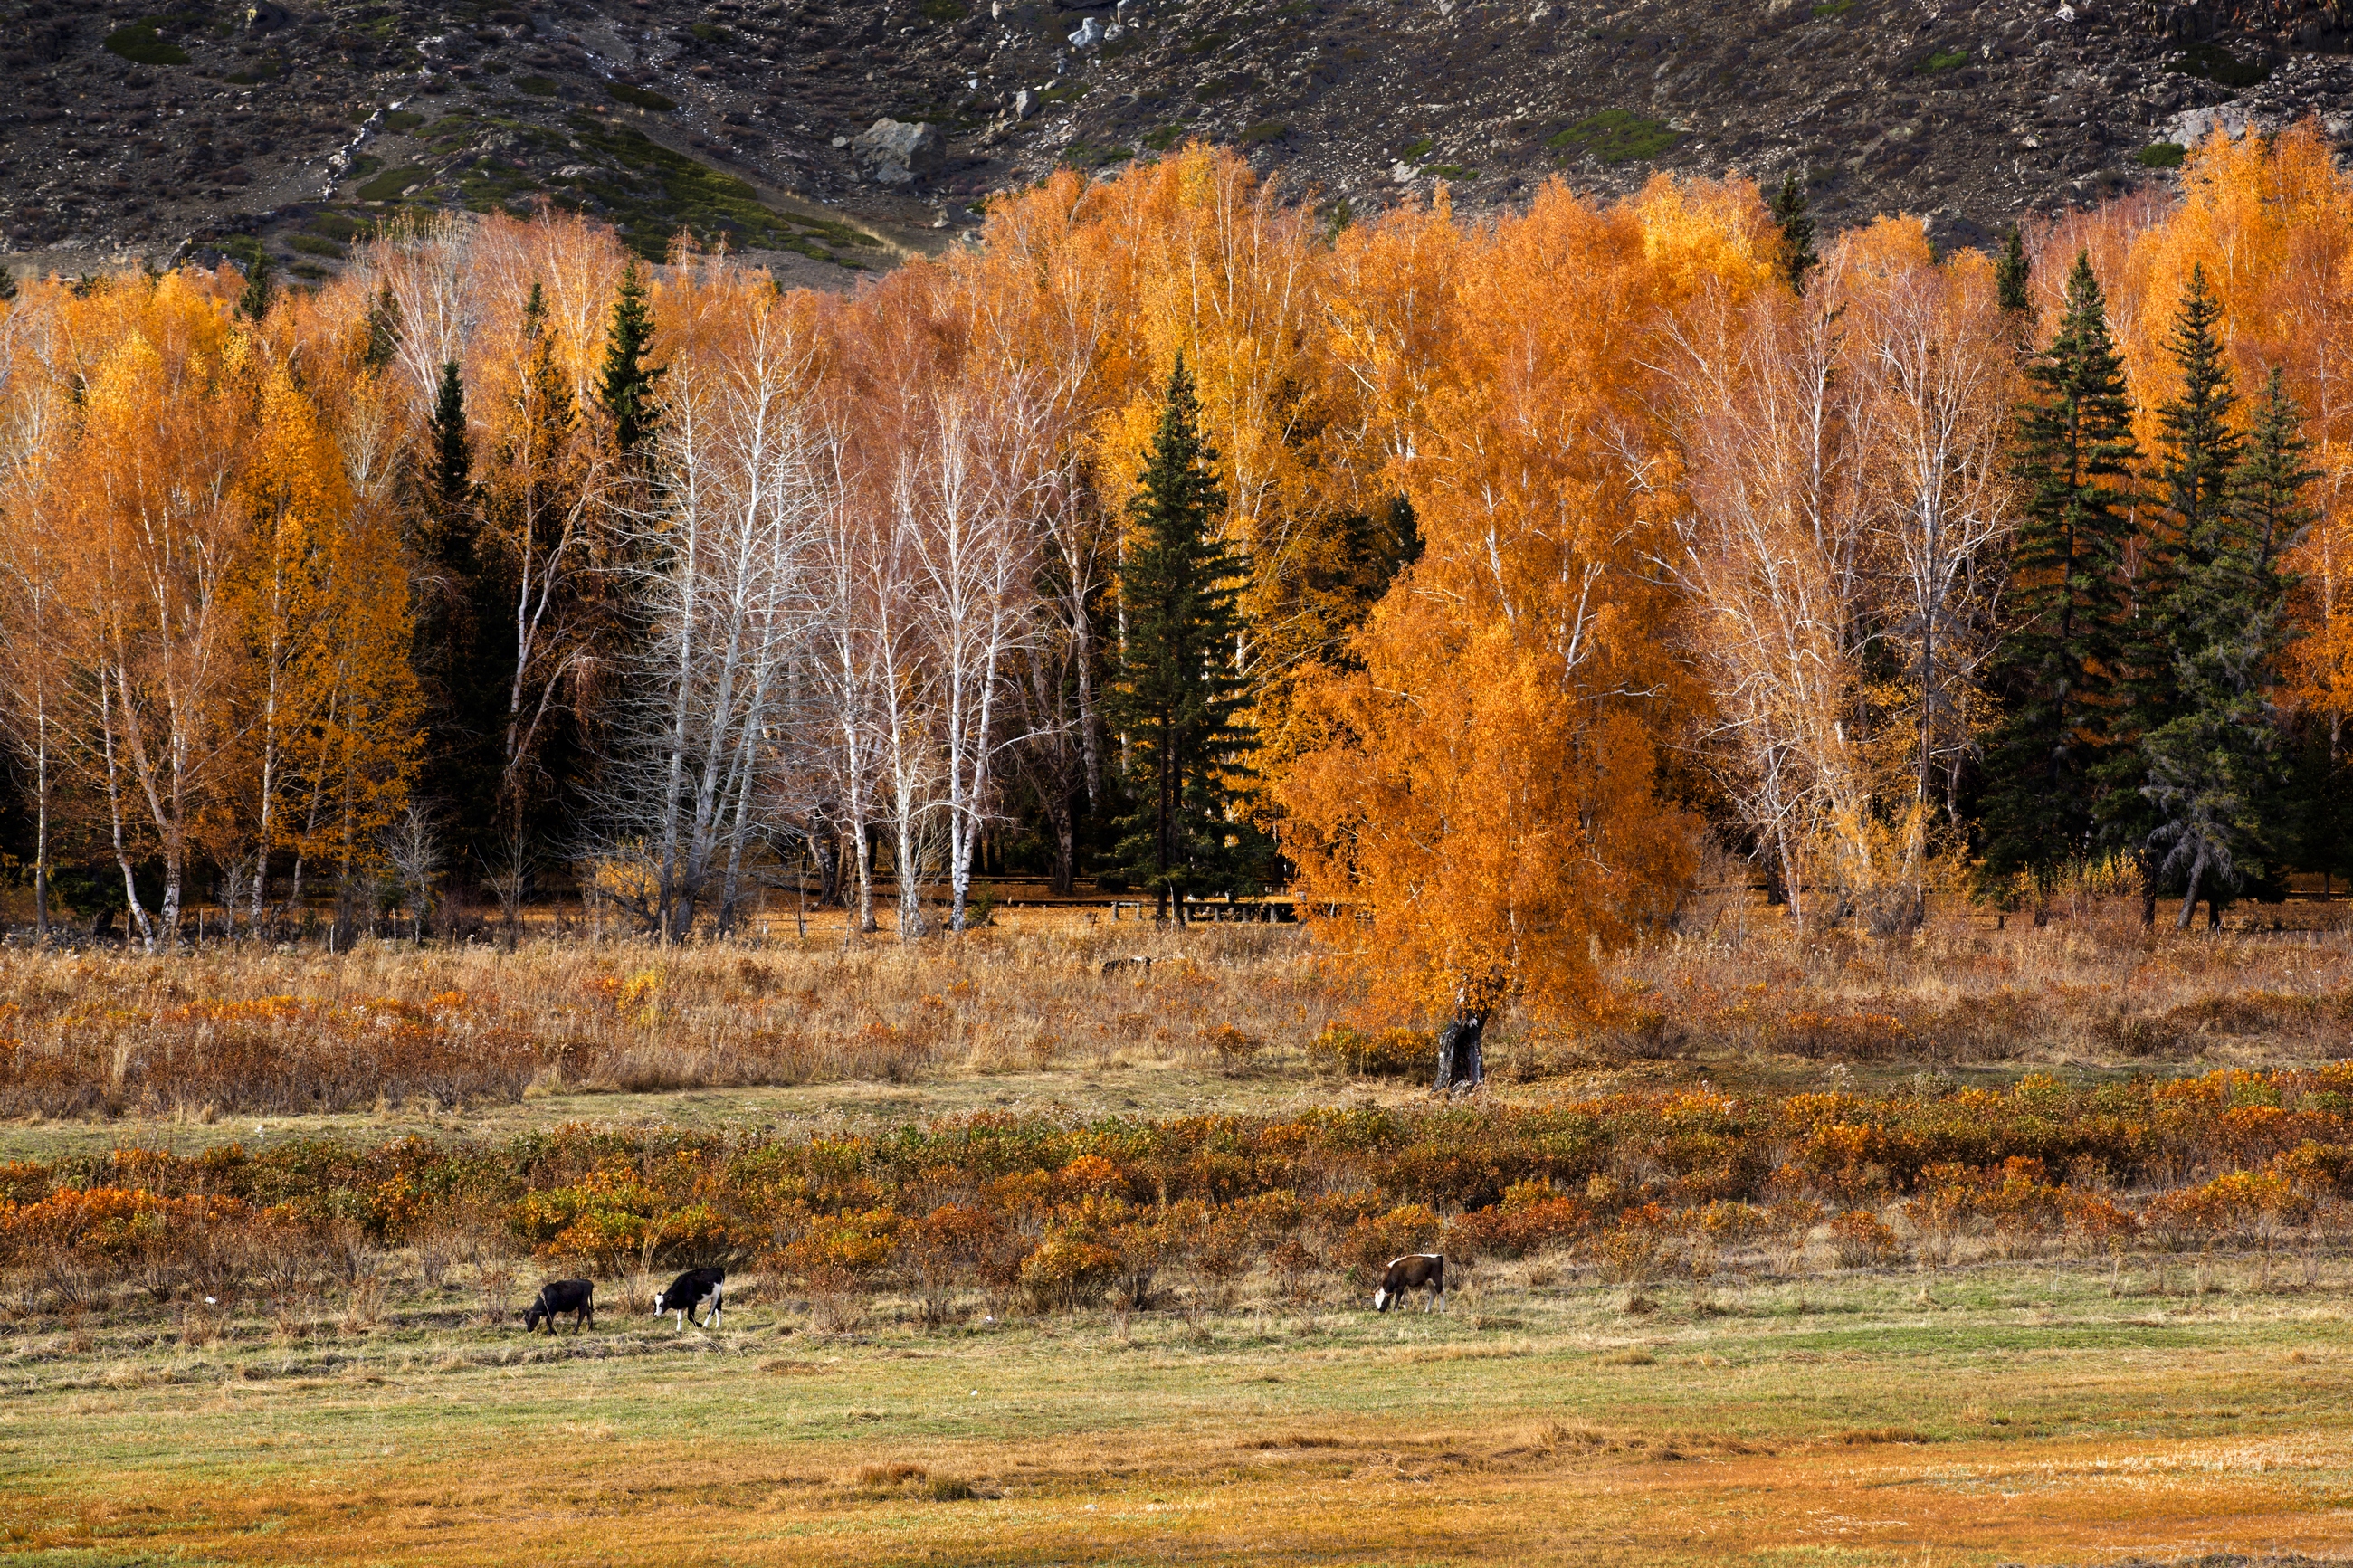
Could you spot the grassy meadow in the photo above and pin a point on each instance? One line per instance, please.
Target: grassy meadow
(2009, 1414)
(1998, 1381)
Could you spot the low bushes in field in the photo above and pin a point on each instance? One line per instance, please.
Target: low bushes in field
(1060, 1214)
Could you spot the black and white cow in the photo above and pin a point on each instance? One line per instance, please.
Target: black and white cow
(577, 1296)
(691, 1290)
(1411, 1272)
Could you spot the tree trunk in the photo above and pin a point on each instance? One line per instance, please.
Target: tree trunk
(1059, 814)
(2189, 899)
(1461, 1064)
(41, 830)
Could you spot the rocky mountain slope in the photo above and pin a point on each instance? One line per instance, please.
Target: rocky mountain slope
(225, 125)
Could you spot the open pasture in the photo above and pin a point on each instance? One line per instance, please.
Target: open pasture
(2005, 1414)
(1785, 1329)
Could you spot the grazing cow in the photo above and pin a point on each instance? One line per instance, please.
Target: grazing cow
(690, 1291)
(577, 1296)
(1411, 1272)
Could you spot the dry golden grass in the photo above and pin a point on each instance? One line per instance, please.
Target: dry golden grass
(247, 1028)
(389, 1030)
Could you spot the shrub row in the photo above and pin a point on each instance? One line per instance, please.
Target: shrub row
(1069, 1211)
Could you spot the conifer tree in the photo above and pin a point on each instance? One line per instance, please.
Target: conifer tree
(383, 331)
(626, 386)
(254, 303)
(1798, 258)
(2216, 770)
(460, 771)
(7, 285)
(452, 454)
(2186, 553)
(2010, 272)
(2065, 600)
(1177, 703)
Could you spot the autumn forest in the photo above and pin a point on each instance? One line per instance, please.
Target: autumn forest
(1474, 580)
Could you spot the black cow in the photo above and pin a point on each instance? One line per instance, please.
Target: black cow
(690, 1291)
(577, 1296)
(1411, 1272)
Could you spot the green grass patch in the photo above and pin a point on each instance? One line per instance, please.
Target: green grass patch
(2161, 156)
(654, 193)
(946, 10)
(1064, 92)
(712, 33)
(1944, 60)
(1161, 138)
(141, 45)
(1831, 12)
(1265, 131)
(1453, 171)
(337, 226)
(387, 186)
(1416, 149)
(2213, 62)
(834, 232)
(1089, 156)
(640, 98)
(1616, 136)
(316, 244)
(403, 120)
(536, 86)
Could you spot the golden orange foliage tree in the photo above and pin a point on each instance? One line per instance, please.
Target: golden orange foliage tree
(1484, 812)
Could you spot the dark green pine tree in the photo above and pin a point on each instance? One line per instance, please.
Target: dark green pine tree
(2217, 770)
(1177, 701)
(455, 600)
(450, 480)
(7, 285)
(626, 386)
(2313, 812)
(2191, 788)
(260, 289)
(2010, 272)
(383, 332)
(2073, 454)
(1798, 258)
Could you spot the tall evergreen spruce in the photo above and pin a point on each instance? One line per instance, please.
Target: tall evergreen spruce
(1798, 258)
(383, 331)
(626, 385)
(451, 481)
(2075, 456)
(2010, 272)
(2216, 770)
(254, 303)
(455, 602)
(1177, 701)
(2166, 800)
(2314, 821)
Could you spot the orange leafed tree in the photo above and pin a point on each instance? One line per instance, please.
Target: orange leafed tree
(1482, 811)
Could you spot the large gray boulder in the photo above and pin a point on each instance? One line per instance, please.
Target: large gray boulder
(894, 152)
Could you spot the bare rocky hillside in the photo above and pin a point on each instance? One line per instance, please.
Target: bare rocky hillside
(132, 134)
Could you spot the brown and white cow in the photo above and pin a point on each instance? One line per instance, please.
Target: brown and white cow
(1411, 1272)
